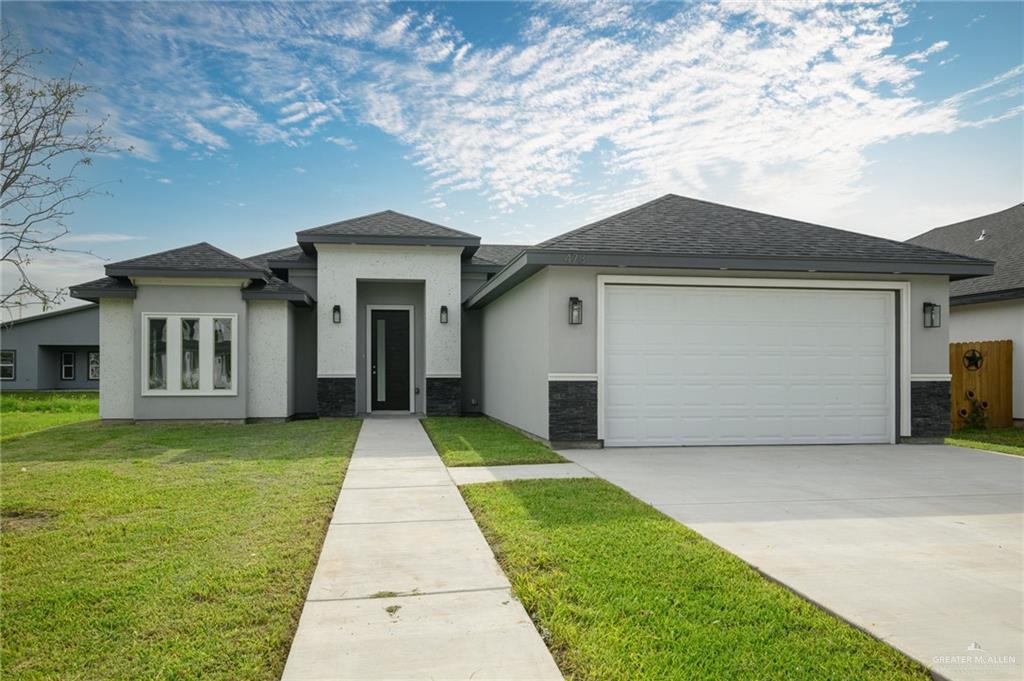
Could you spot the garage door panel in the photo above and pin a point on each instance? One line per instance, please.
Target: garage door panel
(747, 366)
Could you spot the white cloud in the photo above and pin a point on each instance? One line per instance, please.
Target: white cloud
(98, 238)
(771, 96)
(300, 170)
(165, 180)
(343, 142)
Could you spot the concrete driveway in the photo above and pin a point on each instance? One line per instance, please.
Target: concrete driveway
(918, 544)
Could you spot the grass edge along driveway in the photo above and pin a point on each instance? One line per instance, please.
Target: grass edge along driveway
(482, 441)
(163, 551)
(1004, 440)
(621, 591)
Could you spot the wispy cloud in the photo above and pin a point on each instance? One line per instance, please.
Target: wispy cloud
(772, 95)
(98, 238)
(165, 180)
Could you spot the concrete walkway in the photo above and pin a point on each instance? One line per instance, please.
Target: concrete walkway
(465, 475)
(406, 586)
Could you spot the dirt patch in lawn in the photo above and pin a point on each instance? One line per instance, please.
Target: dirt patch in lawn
(11, 520)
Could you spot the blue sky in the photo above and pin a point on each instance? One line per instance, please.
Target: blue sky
(519, 121)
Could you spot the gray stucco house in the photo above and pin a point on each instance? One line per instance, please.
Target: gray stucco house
(675, 322)
(988, 308)
(56, 350)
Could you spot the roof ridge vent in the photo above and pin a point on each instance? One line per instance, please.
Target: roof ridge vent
(981, 237)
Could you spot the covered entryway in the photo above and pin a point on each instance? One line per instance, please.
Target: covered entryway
(734, 365)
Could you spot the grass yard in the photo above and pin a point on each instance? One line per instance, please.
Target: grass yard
(27, 412)
(163, 551)
(621, 591)
(1005, 440)
(479, 441)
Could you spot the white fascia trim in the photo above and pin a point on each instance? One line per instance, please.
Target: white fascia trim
(902, 287)
(931, 377)
(572, 377)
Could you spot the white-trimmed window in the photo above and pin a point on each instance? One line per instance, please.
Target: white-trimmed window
(67, 366)
(94, 366)
(8, 362)
(189, 354)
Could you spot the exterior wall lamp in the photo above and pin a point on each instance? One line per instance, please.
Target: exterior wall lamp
(575, 310)
(932, 316)
(336, 314)
(444, 314)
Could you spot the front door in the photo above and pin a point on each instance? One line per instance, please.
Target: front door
(389, 360)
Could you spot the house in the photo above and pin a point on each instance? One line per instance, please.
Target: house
(992, 307)
(56, 350)
(675, 322)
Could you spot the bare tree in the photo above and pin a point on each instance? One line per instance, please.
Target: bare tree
(46, 142)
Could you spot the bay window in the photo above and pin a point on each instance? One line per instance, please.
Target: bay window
(189, 354)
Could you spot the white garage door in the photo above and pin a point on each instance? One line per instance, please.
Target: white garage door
(721, 366)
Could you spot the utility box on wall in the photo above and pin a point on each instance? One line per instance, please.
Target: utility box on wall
(982, 383)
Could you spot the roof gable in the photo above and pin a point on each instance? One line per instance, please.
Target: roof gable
(1003, 243)
(387, 227)
(201, 259)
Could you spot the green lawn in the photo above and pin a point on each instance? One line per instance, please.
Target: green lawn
(621, 591)
(479, 441)
(163, 551)
(27, 412)
(1005, 440)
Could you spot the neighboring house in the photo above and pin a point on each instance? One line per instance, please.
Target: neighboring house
(676, 322)
(52, 351)
(988, 308)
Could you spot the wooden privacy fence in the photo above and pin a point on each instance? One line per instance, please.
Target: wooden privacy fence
(982, 380)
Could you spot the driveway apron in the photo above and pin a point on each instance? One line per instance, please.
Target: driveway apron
(406, 585)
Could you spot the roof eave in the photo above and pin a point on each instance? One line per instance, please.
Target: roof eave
(531, 260)
(291, 264)
(986, 297)
(470, 244)
(114, 271)
(93, 295)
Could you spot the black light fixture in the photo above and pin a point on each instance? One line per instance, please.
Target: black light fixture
(575, 310)
(336, 313)
(444, 314)
(932, 316)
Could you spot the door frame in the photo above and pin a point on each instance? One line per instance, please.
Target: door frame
(901, 324)
(368, 348)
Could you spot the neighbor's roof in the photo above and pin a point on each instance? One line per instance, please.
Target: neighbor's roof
(679, 232)
(1003, 244)
(201, 259)
(50, 314)
(387, 227)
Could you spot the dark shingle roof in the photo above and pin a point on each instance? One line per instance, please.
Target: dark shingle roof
(676, 225)
(291, 254)
(105, 287)
(197, 259)
(1003, 244)
(275, 289)
(386, 223)
(496, 254)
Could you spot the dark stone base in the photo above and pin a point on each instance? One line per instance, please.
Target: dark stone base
(336, 396)
(572, 411)
(444, 396)
(929, 409)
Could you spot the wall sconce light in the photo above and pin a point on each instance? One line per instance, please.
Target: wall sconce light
(444, 314)
(932, 316)
(575, 310)
(336, 314)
